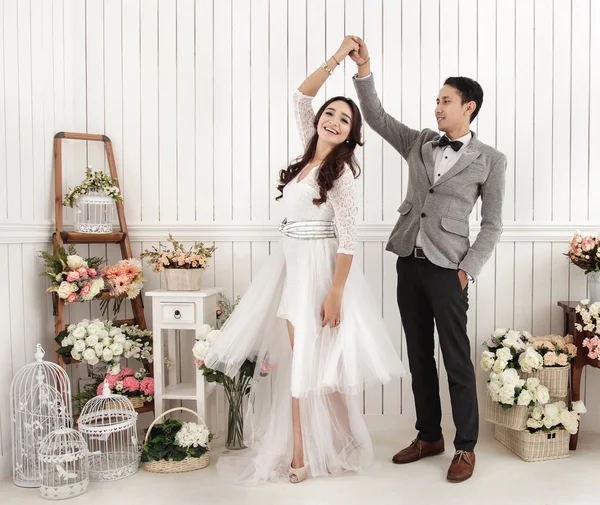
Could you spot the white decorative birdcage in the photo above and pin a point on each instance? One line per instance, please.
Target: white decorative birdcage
(64, 465)
(108, 424)
(94, 213)
(40, 403)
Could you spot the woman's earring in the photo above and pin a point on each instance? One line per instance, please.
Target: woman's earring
(347, 141)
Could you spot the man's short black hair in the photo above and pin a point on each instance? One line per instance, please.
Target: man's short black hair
(470, 91)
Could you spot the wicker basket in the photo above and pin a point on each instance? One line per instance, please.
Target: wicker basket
(556, 379)
(538, 446)
(514, 418)
(169, 466)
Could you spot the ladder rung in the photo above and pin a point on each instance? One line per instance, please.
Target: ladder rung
(72, 237)
(105, 295)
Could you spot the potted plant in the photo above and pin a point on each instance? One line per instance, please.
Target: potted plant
(183, 267)
(584, 252)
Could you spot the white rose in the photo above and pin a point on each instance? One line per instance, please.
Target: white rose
(513, 335)
(93, 361)
(92, 340)
(200, 349)
(128, 345)
(527, 335)
(534, 423)
(89, 354)
(76, 355)
(116, 349)
(533, 383)
(67, 341)
(510, 377)
(84, 323)
(525, 398)
(530, 360)
(212, 336)
(99, 349)
(120, 339)
(537, 413)
(487, 360)
(107, 355)
(564, 416)
(79, 346)
(550, 422)
(114, 370)
(507, 394)
(74, 261)
(115, 331)
(542, 395)
(551, 410)
(92, 329)
(571, 427)
(71, 328)
(204, 330)
(65, 289)
(80, 333)
(500, 332)
(494, 387)
(504, 354)
(102, 334)
(578, 407)
(499, 366)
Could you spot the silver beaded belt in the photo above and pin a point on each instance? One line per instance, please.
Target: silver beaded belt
(308, 230)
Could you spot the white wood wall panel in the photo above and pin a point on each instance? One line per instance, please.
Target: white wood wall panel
(195, 95)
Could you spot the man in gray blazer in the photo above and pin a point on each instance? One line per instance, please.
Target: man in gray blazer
(447, 174)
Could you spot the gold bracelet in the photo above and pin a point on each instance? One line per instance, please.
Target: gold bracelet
(326, 68)
(365, 62)
(336, 61)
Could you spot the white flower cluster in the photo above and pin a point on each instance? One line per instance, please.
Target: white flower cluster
(99, 341)
(590, 315)
(555, 415)
(509, 346)
(205, 337)
(509, 389)
(192, 435)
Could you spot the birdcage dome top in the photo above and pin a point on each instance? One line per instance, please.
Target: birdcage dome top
(63, 444)
(94, 198)
(108, 411)
(40, 372)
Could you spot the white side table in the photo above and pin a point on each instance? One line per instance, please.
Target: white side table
(181, 310)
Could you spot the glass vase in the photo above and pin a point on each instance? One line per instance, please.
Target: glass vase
(235, 391)
(593, 282)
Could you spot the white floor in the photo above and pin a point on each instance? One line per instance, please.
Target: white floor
(500, 478)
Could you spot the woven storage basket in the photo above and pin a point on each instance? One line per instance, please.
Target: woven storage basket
(185, 465)
(538, 446)
(514, 418)
(556, 379)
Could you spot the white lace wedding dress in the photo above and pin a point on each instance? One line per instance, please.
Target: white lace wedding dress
(328, 366)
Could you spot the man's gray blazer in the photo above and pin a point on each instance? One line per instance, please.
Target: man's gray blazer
(441, 210)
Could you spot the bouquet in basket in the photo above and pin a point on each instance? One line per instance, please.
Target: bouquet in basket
(73, 278)
(556, 415)
(508, 389)
(554, 349)
(128, 383)
(196, 256)
(507, 349)
(175, 440)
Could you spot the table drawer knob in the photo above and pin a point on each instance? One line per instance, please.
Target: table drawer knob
(177, 314)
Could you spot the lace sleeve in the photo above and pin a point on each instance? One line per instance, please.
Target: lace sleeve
(305, 116)
(343, 199)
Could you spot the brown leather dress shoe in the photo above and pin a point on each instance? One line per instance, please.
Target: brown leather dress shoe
(462, 466)
(418, 449)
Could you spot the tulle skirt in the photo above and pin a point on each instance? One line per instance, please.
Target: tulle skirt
(326, 370)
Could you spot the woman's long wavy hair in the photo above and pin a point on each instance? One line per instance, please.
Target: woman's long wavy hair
(333, 164)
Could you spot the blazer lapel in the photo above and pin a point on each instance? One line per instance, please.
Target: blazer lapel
(468, 156)
(427, 153)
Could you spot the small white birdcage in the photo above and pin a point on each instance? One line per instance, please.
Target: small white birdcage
(40, 403)
(108, 424)
(94, 213)
(64, 465)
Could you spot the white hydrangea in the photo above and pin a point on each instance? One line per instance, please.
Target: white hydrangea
(192, 435)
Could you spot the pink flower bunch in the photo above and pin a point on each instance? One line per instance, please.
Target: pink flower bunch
(147, 386)
(124, 277)
(593, 346)
(77, 282)
(129, 384)
(584, 251)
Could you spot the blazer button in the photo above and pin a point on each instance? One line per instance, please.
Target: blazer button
(431, 190)
(423, 214)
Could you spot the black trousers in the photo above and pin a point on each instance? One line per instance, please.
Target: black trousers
(428, 293)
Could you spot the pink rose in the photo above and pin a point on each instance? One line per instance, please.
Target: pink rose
(198, 362)
(92, 272)
(112, 380)
(562, 360)
(126, 372)
(147, 386)
(550, 359)
(82, 271)
(72, 276)
(85, 289)
(131, 384)
(72, 298)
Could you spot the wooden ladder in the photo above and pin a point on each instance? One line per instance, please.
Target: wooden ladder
(68, 237)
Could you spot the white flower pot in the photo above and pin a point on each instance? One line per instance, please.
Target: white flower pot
(183, 279)
(593, 282)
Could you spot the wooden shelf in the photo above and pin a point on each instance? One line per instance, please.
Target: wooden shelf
(72, 237)
(105, 295)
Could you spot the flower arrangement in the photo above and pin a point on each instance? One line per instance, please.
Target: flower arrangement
(94, 182)
(593, 347)
(556, 415)
(590, 315)
(175, 440)
(128, 383)
(554, 349)
(507, 349)
(74, 279)
(124, 278)
(102, 342)
(584, 251)
(508, 389)
(179, 257)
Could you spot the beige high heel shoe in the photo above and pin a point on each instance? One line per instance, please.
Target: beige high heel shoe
(297, 475)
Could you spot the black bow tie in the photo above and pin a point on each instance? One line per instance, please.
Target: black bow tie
(455, 144)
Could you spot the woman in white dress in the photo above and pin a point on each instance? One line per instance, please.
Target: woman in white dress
(309, 316)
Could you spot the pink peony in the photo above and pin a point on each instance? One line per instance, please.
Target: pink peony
(112, 380)
(85, 289)
(147, 386)
(92, 272)
(82, 271)
(132, 384)
(72, 298)
(72, 276)
(126, 372)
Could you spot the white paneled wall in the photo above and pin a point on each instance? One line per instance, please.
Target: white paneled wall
(195, 96)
